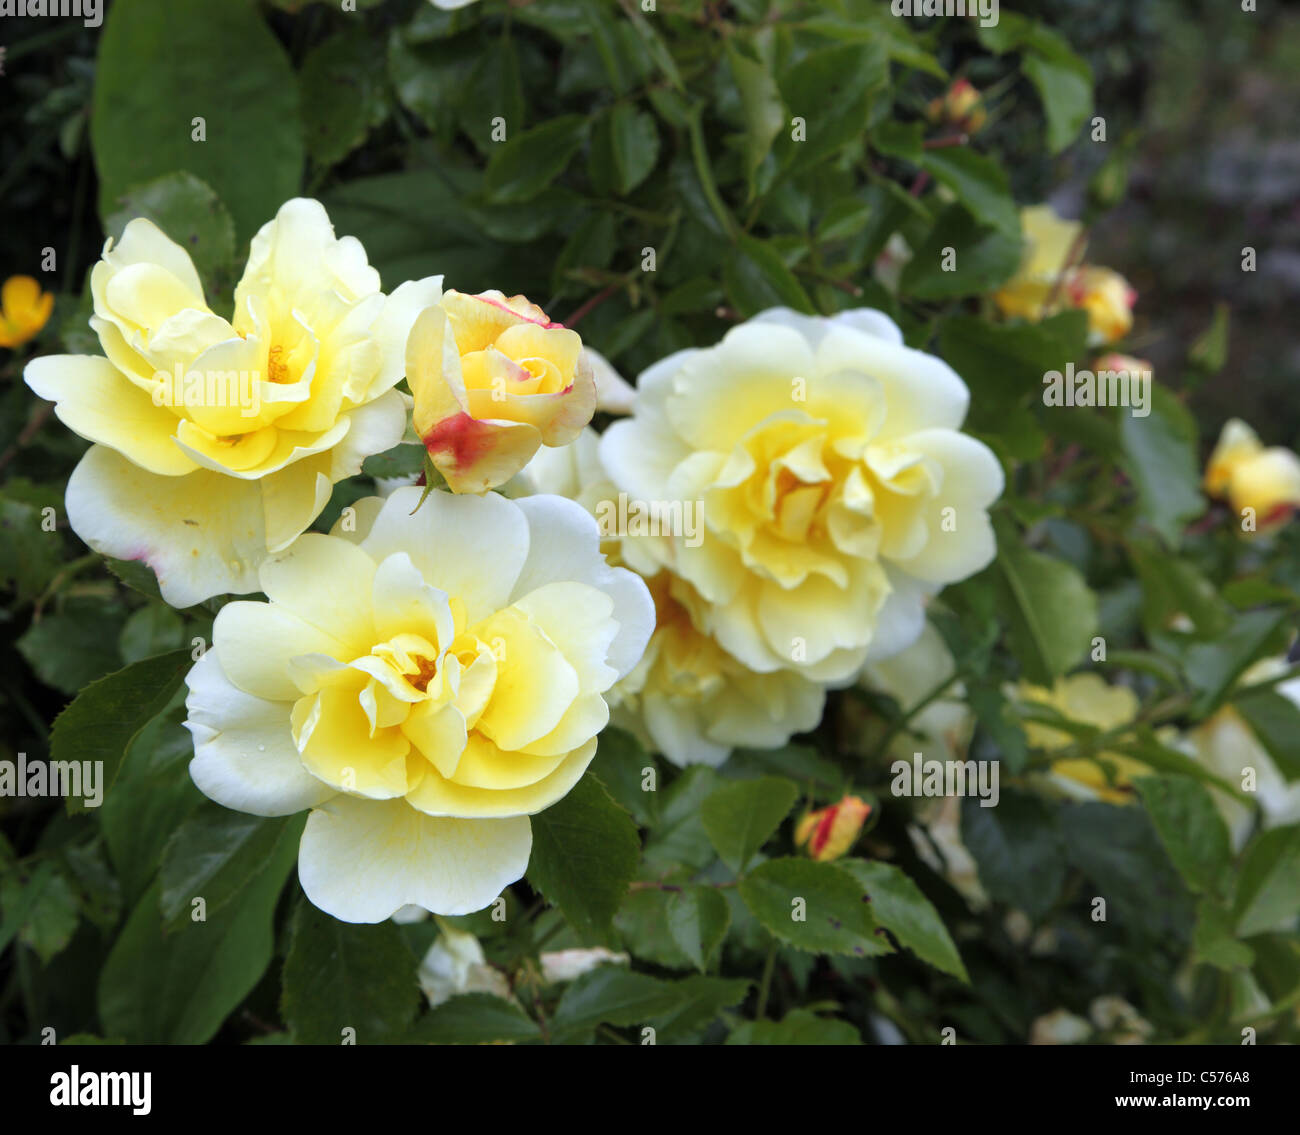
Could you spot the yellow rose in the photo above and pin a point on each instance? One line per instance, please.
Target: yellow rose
(1108, 299)
(1050, 279)
(494, 380)
(830, 832)
(829, 488)
(695, 703)
(423, 683)
(1087, 699)
(218, 442)
(1051, 245)
(687, 698)
(1264, 481)
(24, 310)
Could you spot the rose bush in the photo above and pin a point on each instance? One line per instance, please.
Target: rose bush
(767, 595)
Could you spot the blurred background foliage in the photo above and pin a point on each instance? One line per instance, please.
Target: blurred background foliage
(669, 132)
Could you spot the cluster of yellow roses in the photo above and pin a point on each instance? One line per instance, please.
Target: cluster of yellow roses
(437, 668)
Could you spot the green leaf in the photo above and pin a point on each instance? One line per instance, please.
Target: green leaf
(629, 772)
(817, 907)
(1004, 366)
(1213, 941)
(342, 96)
(219, 62)
(213, 855)
(1213, 667)
(1118, 849)
(702, 999)
(1049, 611)
(155, 794)
(979, 183)
(189, 212)
(1171, 586)
(698, 918)
(799, 1026)
(960, 257)
(135, 575)
(760, 102)
(107, 715)
(1268, 885)
(40, 907)
(1191, 829)
(585, 851)
(1210, 350)
(74, 646)
(493, 90)
(1277, 964)
(1063, 79)
(1145, 747)
(1275, 721)
(678, 840)
(741, 816)
(1017, 850)
(612, 995)
(525, 164)
(1064, 84)
(642, 924)
(757, 278)
(830, 89)
(1161, 453)
(159, 988)
(899, 906)
(624, 149)
(152, 629)
(473, 1018)
(342, 975)
(430, 77)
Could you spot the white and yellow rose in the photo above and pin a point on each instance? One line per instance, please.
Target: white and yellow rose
(836, 488)
(687, 698)
(694, 703)
(217, 442)
(423, 684)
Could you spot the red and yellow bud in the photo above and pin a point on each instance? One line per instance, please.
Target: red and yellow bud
(830, 832)
(961, 105)
(494, 380)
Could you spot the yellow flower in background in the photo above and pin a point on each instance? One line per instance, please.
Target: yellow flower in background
(218, 441)
(694, 702)
(1050, 279)
(1227, 746)
(424, 684)
(24, 310)
(687, 698)
(1050, 245)
(832, 488)
(830, 832)
(961, 104)
(1262, 485)
(1087, 699)
(1108, 299)
(494, 380)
